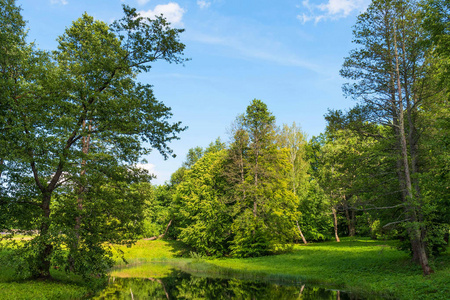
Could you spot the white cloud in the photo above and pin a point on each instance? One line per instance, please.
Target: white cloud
(331, 10)
(142, 2)
(149, 167)
(63, 2)
(203, 4)
(340, 7)
(171, 11)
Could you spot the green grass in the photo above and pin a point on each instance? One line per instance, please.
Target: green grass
(147, 251)
(71, 287)
(361, 266)
(62, 287)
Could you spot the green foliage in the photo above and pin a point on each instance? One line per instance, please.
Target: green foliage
(158, 210)
(437, 24)
(294, 140)
(238, 201)
(193, 155)
(215, 146)
(315, 220)
(437, 233)
(204, 212)
(251, 236)
(260, 172)
(73, 123)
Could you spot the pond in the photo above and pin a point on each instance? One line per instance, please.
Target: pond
(156, 281)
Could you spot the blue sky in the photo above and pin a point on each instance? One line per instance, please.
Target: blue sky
(286, 52)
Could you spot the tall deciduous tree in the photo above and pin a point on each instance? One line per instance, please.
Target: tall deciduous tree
(84, 89)
(294, 140)
(389, 68)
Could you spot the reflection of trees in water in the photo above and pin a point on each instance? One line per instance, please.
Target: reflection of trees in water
(181, 285)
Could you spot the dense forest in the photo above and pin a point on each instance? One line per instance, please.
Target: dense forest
(75, 122)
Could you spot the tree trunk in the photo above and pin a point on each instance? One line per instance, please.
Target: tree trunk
(301, 234)
(85, 141)
(353, 224)
(44, 254)
(333, 210)
(350, 221)
(416, 234)
(161, 235)
(373, 235)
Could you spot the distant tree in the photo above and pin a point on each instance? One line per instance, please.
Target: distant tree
(258, 171)
(314, 216)
(158, 208)
(293, 139)
(193, 155)
(215, 146)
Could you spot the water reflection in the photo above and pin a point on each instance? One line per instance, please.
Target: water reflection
(181, 285)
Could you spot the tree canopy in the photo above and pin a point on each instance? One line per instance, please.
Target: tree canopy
(80, 122)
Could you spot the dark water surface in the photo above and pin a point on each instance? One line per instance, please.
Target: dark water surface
(177, 284)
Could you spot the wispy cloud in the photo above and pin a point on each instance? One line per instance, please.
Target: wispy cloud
(63, 2)
(203, 4)
(331, 10)
(181, 76)
(142, 2)
(251, 47)
(171, 11)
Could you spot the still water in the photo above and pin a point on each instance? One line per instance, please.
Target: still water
(176, 284)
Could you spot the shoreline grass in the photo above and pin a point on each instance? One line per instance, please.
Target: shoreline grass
(358, 265)
(361, 266)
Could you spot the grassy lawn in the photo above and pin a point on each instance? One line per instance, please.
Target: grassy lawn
(358, 265)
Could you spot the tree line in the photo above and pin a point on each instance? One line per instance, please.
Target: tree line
(380, 169)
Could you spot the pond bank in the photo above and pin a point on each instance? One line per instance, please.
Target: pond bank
(360, 266)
